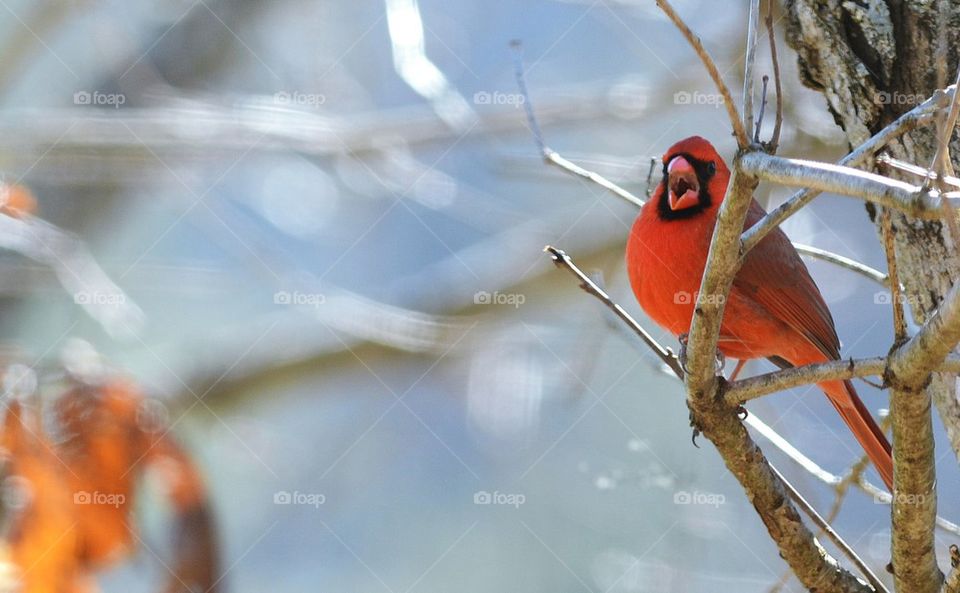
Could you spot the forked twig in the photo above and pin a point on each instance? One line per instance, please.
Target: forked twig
(743, 140)
(861, 154)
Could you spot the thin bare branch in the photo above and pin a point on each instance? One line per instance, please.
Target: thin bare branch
(826, 528)
(941, 56)
(653, 165)
(940, 166)
(549, 155)
(844, 262)
(562, 260)
(743, 140)
(941, 160)
(739, 392)
(775, 136)
(517, 46)
(554, 158)
(750, 59)
(78, 272)
(886, 159)
(810, 466)
(843, 181)
(763, 108)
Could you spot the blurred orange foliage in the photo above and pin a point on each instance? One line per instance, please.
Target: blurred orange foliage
(69, 500)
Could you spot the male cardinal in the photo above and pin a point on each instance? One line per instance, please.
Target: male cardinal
(774, 309)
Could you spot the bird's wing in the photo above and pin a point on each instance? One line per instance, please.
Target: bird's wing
(774, 276)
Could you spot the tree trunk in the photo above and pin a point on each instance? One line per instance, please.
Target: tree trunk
(873, 60)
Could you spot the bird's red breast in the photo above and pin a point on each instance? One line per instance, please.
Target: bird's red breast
(774, 309)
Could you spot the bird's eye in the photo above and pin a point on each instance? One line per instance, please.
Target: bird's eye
(711, 168)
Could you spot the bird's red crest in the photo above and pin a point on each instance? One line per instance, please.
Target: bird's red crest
(695, 146)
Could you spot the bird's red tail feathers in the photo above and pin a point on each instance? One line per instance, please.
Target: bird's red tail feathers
(861, 423)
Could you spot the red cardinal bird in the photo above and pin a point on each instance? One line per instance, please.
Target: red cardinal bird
(774, 309)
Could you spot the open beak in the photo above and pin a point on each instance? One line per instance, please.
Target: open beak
(684, 186)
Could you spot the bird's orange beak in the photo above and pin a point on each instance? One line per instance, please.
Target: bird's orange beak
(684, 186)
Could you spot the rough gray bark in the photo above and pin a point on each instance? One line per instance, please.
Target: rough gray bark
(873, 60)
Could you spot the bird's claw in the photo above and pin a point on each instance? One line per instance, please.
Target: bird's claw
(682, 356)
(696, 430)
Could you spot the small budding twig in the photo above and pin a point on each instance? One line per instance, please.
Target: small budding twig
(653, 165)
(763, 107)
